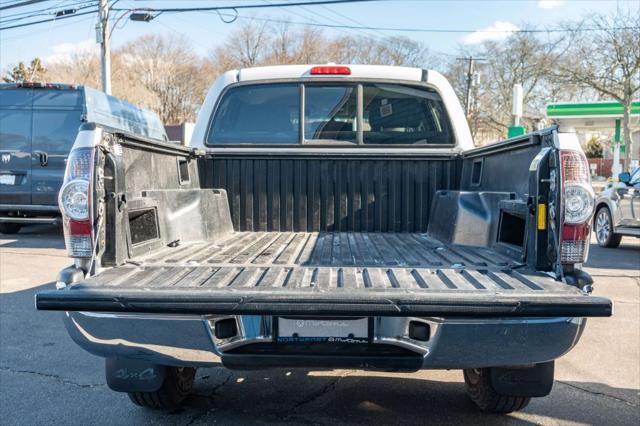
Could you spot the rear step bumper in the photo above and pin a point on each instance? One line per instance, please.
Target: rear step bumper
(188, 340)
(372, 303)
(142, 314)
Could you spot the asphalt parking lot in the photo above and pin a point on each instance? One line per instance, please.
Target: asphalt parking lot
(46, 379)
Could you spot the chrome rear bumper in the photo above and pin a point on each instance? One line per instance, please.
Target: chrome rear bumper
(182, 340)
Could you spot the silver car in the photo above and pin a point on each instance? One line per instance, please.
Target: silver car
(618, 210)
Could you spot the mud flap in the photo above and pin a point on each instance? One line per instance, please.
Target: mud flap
(532, 381)
(127, 375)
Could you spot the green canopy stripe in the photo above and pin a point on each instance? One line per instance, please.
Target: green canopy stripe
(587, 109)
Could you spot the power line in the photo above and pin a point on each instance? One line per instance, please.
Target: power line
(358, 31)
(47, 29)
(48, 20)
(303, 16)
(348, 18)
(201, 9)
(79, 5)
(426, 30)
(256, 6)
(24, 3)
(324, 25)
(47, 10)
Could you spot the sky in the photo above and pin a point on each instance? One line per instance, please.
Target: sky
(205, 30)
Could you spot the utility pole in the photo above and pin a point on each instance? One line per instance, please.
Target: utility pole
(470, 74)
(467, 102)
(102, 35)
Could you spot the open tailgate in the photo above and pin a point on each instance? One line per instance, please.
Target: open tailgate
(298, 290)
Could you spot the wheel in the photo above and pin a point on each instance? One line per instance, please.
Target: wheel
(175, 388)
(9, 228)
(480, 390)
(604, 229)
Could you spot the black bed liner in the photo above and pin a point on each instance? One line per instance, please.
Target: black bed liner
(278, 273)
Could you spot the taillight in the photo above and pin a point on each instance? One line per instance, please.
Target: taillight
(578, 201)
(331, 70)
(76, 204)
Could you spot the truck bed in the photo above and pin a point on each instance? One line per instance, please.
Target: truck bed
(298, 273)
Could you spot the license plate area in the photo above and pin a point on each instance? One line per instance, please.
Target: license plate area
(338, 330)
(6, 179)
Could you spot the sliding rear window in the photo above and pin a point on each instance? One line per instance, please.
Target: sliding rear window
(348, 113)
(330, 113)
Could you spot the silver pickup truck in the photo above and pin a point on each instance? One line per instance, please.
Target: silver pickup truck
(327, 216)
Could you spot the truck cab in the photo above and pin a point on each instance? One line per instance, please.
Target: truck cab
(327, 216)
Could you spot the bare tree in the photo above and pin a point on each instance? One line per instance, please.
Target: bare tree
(81, 67)
(283, 45)
(248, 46)
(313, 47)
(170, 71)
(396, 50)
(403, 51)
(607, 60)
(523, 58)
(256, 43)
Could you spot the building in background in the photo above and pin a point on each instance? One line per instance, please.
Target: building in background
(602, 120)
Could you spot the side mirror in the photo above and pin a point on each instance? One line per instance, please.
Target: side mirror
(624, 177)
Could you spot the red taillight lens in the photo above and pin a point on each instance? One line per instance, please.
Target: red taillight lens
(75, 203)
(575, 243)
(30, 85)
(78, 238)
(331, 70)
(578, 204)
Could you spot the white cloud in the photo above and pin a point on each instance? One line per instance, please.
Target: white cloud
(64, 51)
(549, 4)
(497, 31)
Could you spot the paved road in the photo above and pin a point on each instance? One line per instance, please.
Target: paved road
(46, 379)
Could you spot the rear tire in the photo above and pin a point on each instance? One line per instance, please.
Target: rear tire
(10, 228)
(480, 390)
(603, 227)
(175, 388)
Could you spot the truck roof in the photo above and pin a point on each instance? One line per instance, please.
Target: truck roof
(381, 72)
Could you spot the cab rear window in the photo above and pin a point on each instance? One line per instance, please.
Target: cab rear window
(314, 113)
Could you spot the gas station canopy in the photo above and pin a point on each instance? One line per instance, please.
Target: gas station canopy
(589, 117)
(592, 115)
(586, 117)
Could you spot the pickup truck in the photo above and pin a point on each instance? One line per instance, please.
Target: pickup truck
(327, 216)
